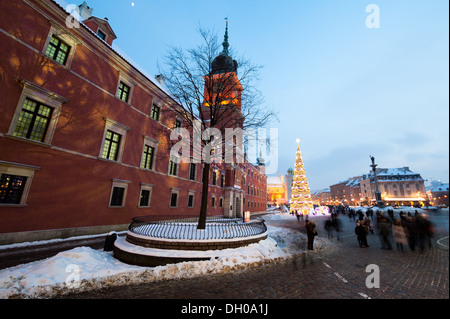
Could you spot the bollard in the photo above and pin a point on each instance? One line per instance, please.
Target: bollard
(109, 241)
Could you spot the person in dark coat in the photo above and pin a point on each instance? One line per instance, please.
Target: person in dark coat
(410, 226)
(423, 231)
(311, 233)
(361, 235)
(384, 232)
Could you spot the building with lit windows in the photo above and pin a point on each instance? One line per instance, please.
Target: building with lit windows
(84, 135)
(398, 187)
(438, 194)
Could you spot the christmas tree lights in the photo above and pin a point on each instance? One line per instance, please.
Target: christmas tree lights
(301, 201)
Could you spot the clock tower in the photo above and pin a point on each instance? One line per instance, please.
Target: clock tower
(223, 91)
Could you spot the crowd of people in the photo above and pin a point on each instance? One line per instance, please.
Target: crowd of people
(409, 230)
(414, 231)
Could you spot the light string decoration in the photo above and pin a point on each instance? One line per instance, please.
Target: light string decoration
(301, 201)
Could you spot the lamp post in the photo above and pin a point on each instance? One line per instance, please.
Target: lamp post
(377, 192)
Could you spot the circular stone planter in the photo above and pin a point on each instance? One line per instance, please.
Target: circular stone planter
(177, 242)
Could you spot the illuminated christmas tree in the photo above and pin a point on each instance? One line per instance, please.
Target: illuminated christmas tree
(301, 201)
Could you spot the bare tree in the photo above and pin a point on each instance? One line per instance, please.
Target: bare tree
(214, 91)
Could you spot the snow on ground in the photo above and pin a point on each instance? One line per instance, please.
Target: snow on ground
(83, 268)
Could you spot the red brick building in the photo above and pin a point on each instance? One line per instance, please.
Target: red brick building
(84, 135)
(347, 192)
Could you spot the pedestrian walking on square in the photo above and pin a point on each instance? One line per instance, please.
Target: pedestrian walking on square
(361, 235)
(329, 228)
(311, 233)
(337, 227)
(410, 227)
(399, 234)
(424, 231)
(384, 232)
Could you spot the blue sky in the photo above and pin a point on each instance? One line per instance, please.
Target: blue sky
(345, 90)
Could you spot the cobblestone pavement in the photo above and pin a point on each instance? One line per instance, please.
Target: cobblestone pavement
(337, 272)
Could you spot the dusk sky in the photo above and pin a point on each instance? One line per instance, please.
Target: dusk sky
(346, 90)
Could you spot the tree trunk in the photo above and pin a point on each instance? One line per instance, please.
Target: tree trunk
(204, 204)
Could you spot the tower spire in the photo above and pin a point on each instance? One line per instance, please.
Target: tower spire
(225, 43)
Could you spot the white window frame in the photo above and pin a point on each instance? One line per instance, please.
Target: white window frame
(195, 171)
(146, 187)
(213, 201)
(177, 163)
(174, 191)
(65, 36)
(128, 82)
(119, 183)
(193, 199)
(149, 141)
(41, 95)
(111, 125)
(159, 105)
(19, 170)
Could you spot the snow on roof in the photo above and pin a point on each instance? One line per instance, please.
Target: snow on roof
(66, 7)
(320, 191)
(395, 171)
(440, 188)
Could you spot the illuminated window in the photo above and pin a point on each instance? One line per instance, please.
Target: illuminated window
(60, 44)
(173, 167)
(123, 92)
(15, 183)
(147, 157)
(155, 114)
(113, 140)
(111, 146)
(11, 188)
(34, 120)
(58, 50)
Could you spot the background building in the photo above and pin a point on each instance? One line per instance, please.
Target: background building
(438, 193)
(347, 192)
(398, 186)
(276, 190)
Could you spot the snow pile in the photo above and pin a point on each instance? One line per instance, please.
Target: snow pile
(83, 269)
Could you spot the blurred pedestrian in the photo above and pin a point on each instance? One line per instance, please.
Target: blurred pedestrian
(311, 233)
(424, 230)
(361, 235)
(399, 234)
(430, 230)
(383, 227)
(409, 226)
(337, 227)
(329, 228)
